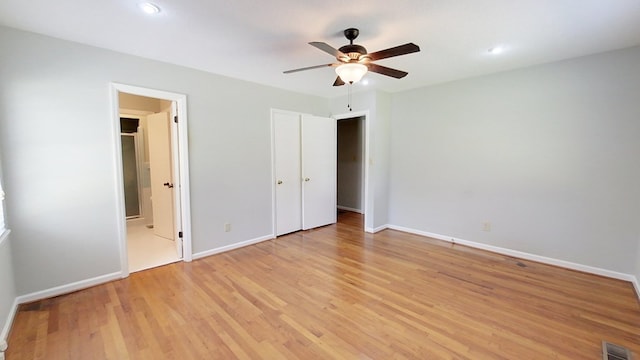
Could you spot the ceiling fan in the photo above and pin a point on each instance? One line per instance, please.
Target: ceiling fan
(354, 61)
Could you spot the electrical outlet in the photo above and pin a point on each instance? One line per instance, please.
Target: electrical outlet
(227, 227)
(486, 226)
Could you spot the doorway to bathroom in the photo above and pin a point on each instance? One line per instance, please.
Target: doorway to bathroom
(154, 198)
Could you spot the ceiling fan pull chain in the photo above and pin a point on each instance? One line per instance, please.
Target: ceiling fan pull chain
(349, 96)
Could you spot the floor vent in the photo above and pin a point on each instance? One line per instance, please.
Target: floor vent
(615, 352)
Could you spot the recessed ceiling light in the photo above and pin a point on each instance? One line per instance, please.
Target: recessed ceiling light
(365, 82)
(495, 50)
(149, 8)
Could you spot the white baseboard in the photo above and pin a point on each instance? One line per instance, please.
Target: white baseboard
(222, 249)
(9, 321)
(4, 235)
(377, 229)
(526, 256)
(68, 288)
(346, 208)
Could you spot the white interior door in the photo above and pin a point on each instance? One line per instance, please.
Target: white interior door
(158, 128)
(286, 141)
(319, 166)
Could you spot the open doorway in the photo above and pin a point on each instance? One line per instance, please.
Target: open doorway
(353, 195)
(148, 181)
(155, 224)
(351, 179)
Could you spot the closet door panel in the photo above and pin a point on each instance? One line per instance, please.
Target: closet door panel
(319, 164)
(286, 136)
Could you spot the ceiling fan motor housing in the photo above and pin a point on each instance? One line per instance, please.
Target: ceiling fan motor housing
(353, 51)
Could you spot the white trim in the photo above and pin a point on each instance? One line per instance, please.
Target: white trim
(175, 174)
(183, 154)
(520, 254)
(134, 113)
(185, 192)
(226, 248)
(636, 286)
(4, 333)
(377, 229)
(273, 172)
(68, 288)
(4, 235)
(121, 220)
(9, 321)
(346, 208)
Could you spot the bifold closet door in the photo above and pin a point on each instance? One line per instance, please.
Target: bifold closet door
(286, 146)
(319, 171)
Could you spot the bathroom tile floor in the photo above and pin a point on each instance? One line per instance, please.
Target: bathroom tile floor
(146, 250)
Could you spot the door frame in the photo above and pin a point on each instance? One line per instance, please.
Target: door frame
(367, 212)
(139, 153)
(136, 145)
(180, 170)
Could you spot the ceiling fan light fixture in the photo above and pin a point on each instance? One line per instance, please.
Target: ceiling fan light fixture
(351, 72)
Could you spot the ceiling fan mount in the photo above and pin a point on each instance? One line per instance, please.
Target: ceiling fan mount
(351, 34)
(353, 60)
(354, 51)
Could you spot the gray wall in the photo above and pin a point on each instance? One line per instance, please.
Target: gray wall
(548, 155)
(350, 161)
(383, 162)
(7, 286)
(58, 154)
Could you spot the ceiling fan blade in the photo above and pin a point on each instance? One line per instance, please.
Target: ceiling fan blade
(394, 51)
(329, 50)
(387, 71)
(338, 82)
(307, 68)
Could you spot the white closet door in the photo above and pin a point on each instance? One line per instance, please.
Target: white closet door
(286, 136)
(319, 163)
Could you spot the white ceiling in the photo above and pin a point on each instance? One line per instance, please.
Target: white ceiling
(256, 40)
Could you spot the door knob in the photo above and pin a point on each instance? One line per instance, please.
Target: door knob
(279, 182)
(306, 179)
(169, 185)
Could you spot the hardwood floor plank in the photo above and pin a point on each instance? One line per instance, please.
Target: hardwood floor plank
(337, 293)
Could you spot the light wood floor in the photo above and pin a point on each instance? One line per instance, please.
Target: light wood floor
(337, 293)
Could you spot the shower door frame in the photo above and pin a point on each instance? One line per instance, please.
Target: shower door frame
(136, 145)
